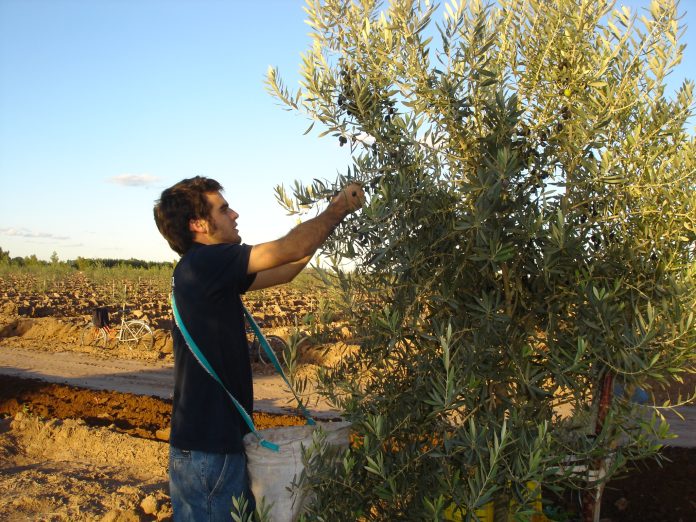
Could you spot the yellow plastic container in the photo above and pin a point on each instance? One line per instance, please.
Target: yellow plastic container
(487, 512)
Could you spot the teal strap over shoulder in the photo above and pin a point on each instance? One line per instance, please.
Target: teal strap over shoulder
(272, 356)
(208, 368)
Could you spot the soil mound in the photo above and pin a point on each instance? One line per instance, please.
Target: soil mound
(68, 453)
(65, 470)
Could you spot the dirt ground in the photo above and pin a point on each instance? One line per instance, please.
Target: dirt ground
(69, 453)
(73, 454)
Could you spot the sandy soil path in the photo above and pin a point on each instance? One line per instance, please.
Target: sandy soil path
(87, 371)
(141, 377)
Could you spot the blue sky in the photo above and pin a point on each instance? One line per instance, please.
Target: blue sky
(104, 103)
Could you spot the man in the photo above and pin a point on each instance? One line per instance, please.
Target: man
(207, 466)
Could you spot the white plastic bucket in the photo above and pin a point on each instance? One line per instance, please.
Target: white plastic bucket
(272, 473)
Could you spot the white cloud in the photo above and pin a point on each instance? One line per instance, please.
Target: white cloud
(134, 180)
(24, 232)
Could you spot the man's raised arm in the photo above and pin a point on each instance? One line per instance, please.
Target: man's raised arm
(279, 261)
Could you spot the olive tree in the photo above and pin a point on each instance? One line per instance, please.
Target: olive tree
(526, 256)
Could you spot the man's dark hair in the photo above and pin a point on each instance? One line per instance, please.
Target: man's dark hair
(178, 205)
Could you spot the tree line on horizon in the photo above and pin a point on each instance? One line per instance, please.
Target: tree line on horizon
(80, 263)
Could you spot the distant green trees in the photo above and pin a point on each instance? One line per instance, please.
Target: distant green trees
(528, 245)
(30, 260)
(82, 263)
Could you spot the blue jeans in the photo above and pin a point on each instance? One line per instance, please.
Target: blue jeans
(202, 485)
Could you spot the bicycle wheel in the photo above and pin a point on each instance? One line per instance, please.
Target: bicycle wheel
(137, 335)
(253, 344)
(277, 344)
(93, 336)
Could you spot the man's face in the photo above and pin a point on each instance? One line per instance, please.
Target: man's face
(222, 225)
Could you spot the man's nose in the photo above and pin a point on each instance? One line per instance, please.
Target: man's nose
(233, 214)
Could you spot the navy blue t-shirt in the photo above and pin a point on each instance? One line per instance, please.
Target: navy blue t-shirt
(208, 281)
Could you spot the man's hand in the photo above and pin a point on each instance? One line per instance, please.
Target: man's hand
(348, 200)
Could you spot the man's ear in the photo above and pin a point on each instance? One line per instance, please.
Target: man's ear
(198, 225)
